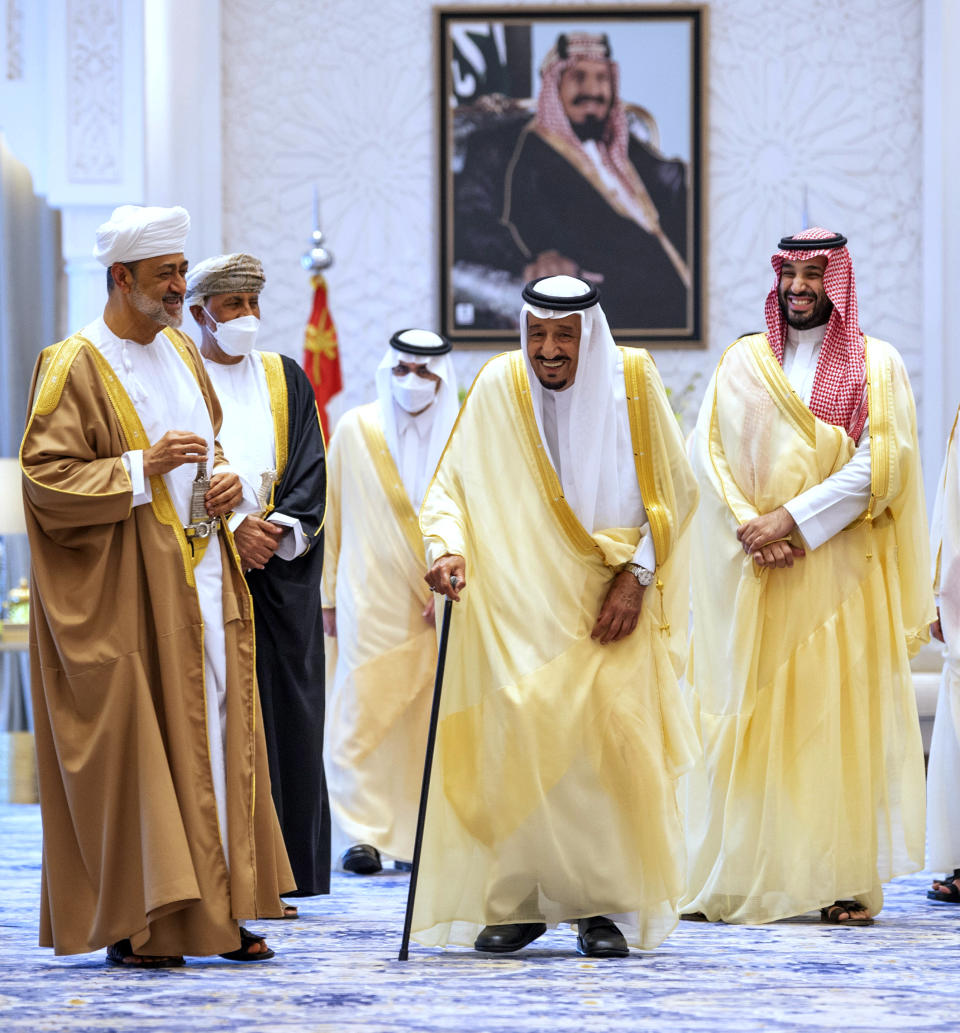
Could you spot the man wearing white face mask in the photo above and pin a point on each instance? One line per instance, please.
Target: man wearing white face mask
(382, 647)
(270, 421)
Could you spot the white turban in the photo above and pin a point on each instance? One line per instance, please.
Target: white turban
(133, 232)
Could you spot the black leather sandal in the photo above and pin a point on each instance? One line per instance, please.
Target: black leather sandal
(121, 953)
(247, 940)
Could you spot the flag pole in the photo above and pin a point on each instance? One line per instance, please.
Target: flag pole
(427, 768)
(316, 258)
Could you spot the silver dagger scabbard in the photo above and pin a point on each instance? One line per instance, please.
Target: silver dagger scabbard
(201, 525)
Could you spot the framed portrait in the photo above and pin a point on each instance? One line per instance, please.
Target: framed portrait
(571, 140)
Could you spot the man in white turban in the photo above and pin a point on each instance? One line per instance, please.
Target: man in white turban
(159, 833)
(382, 645)
(272, 434)
(559, 507)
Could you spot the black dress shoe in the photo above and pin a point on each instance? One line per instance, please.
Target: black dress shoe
(600, 938)
(361, 859)
(502, 939)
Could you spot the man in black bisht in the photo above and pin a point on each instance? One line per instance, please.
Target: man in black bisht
(276, 446)
(575, 193)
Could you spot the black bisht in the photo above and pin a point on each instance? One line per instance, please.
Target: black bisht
(290, 662)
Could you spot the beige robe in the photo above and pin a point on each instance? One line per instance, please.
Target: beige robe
(131, 838)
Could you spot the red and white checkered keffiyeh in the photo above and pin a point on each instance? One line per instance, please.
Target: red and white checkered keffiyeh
(551, 116)
(839, 387)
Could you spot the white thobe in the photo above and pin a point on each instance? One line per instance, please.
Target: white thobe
(632, 510)
(943, 771)
(827, 508)
(247, 436)
(166, 395)
(413, 441)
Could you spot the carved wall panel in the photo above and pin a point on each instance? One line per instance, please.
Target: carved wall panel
(822, 110)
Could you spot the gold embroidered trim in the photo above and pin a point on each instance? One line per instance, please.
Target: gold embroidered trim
(279, 407)
(780, 388)
(879, 408)
(53, 371)
(390, 480)
(637, 365)
(547, 476)
(279, 410)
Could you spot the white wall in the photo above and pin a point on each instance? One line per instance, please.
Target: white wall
(826, 97)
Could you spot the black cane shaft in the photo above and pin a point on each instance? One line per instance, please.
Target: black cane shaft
(425, 785)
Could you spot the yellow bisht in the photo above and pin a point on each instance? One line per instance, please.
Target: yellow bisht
(813, 786)
(553, 794)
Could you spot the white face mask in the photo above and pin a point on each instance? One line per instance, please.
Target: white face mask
(413, 393)
(237, 336)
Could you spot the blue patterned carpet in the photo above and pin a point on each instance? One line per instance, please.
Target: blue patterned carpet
(336, 970)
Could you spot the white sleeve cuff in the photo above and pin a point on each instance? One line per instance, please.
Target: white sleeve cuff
(133, 463)
(646, 555)
(236, 519)
(293, 542)
(827, 508)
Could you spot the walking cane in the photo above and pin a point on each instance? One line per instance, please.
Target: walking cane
(427, 767)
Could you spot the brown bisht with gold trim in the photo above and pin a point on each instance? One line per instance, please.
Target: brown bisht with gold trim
(131, 841)
(554, 783)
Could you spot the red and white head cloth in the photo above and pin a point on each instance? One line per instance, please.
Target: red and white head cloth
(570, 48)
(839, 387)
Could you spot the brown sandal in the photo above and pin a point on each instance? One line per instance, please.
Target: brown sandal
(831, 915)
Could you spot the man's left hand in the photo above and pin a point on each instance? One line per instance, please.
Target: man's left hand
(223, 495)
(621, 609)
(763, 530)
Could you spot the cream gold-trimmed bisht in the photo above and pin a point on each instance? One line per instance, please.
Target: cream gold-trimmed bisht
(553, 793)
(813, 785)
(380, 666)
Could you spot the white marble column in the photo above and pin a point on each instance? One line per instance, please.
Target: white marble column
(182, 104)
(941, 232)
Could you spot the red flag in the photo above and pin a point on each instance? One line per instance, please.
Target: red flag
(321, 356)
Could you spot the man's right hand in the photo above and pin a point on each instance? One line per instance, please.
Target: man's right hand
(439, 575)
(256, 541)
(329, 621)
(175, 448)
